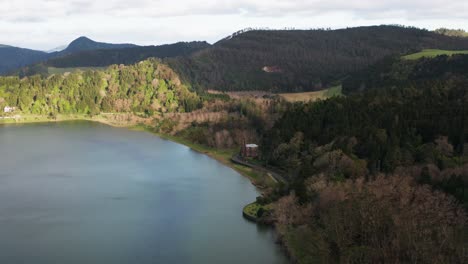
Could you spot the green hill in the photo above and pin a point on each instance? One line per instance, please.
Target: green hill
(146, 87)
(301, 60)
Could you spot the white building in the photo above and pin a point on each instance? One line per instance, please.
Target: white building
(249, 150)
(8, 109)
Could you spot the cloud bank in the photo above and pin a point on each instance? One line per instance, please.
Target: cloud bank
(44, 24)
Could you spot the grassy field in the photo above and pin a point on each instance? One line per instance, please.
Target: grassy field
(431, 53)
(53, 70)
(312, 96)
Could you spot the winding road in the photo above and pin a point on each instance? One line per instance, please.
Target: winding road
(276, 176)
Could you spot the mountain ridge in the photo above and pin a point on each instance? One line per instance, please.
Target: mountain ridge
(107, 57)
(17, 57)
(84, 43)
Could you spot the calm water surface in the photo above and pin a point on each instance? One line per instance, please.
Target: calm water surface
(82, 192)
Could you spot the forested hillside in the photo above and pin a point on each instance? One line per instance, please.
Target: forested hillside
(298, 60)
(147, 87)
(371, 171)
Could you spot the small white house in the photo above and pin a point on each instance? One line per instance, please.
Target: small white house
(9, 109)
(249, 150)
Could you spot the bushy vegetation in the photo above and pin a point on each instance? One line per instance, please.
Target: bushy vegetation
(390, 219)
(223, 124)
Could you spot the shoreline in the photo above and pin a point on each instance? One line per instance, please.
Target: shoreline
(259, 178)
(221, 155)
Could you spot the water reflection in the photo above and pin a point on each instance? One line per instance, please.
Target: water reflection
(81, 192)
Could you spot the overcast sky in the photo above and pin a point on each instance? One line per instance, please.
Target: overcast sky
(46, 24)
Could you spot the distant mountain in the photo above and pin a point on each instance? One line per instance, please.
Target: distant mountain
(298, 60)
(84, 44)
(129, 55)
(13, 57)
(57, 49)
(106, 57)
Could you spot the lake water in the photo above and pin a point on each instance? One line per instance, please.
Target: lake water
(81, 192)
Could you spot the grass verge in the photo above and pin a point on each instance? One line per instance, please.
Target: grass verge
(431, 53)
(312, 96)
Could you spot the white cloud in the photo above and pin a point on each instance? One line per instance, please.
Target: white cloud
(44, 24)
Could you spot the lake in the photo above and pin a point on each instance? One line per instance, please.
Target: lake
(82, 192)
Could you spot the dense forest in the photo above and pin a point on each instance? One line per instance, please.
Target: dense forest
(147, 87)
(380, 175)
(298, 60)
